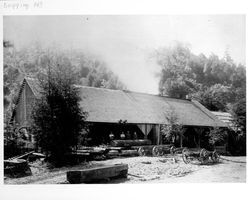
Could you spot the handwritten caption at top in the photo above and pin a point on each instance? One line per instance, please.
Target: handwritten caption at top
(14, 5)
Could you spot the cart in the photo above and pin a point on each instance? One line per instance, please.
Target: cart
(201, 155)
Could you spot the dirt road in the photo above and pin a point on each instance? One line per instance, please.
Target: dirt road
(223, 172)
(152, 170)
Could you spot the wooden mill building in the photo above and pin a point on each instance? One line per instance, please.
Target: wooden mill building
(116, 111)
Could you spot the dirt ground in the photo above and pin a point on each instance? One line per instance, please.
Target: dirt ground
(149, 170)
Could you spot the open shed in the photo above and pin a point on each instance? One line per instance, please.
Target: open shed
(118, 110)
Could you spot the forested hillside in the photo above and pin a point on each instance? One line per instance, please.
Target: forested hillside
(34, 61)
(218, 83)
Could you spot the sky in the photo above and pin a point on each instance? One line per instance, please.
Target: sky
(126, 42)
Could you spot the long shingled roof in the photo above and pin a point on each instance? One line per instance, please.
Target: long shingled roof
(106, 105)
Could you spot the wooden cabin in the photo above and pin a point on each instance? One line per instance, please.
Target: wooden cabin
(116, 111)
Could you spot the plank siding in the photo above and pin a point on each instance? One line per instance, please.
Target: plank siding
(24, 106)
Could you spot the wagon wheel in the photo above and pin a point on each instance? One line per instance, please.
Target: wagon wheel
(141, 151)
(204, 156)
(185, 156)
(156, 151)
(215, 156)
(172, 150)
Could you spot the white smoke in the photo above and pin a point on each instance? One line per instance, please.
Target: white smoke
(126, 42)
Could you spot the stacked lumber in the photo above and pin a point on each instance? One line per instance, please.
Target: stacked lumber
(98, 173)
(123, 153)
(129, 143)
(128, 153)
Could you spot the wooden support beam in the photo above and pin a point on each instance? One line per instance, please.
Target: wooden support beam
(199, 132)
(181, 136)
(181, 140)
(157, 134)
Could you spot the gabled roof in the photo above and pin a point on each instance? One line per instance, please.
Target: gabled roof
(34, 85)
(106, 105)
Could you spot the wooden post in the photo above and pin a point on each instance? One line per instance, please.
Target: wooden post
(181, 136)
(181, 140)
(157, 134)
(199, 136)
(160, 136)
(198, 131)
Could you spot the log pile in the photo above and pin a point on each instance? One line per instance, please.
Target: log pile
(101, 153)
(129, 143)
(125, 148)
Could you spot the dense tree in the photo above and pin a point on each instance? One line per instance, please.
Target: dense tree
(218, 83)
(175, 73)
(215, 82)
(173, 131)
(216, 98)
(57, 117)
(239, 113)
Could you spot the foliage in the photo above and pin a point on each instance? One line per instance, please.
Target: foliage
(173, 130)
(218, 83)
(217, 136)
(239, 113)
(13, 143)
(237, 143)
(213, 81)
(33, 61)
(216, 98)
(57, 117)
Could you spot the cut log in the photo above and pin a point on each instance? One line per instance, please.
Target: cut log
(116, 148)
(98, 173)
(113, 154)
(16, 168)
(93, 152)
(129, 153)
(35, 156)
(23, 156)
(129, 143)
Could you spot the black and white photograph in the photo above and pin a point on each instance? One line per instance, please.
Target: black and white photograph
(124, 99)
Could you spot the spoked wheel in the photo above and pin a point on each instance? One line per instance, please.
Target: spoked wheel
(204, 156)
(156, 151)
(215, 156)
(185, 156)
(172, 150)
(141, 151)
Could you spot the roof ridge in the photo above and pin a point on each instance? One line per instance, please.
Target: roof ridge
(129, 91)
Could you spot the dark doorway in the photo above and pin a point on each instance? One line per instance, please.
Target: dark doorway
(191, 138)
(99, 133)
